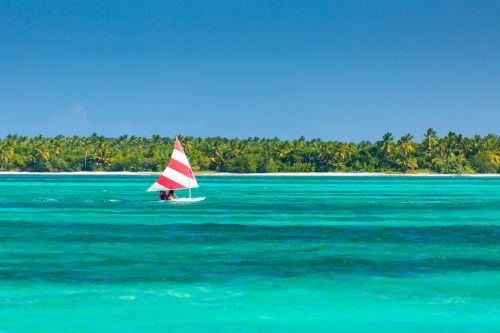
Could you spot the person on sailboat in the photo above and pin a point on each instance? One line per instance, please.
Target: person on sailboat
(163, 195)
(171, 195)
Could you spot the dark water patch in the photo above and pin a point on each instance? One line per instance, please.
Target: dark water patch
(132, 253)
(217, 269)
(221, 233)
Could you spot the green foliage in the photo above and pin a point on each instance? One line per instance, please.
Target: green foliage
(241, 164)
(484, 164)
(451, 153)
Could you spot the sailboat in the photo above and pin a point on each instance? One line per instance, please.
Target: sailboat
(178, 175)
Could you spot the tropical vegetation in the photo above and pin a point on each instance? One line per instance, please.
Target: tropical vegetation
(451, 153)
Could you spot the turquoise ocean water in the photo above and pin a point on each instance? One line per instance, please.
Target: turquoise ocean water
(260, 254)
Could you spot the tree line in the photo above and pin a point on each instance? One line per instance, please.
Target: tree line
(451, 153)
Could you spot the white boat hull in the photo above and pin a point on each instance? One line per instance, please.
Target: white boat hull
(186, 200)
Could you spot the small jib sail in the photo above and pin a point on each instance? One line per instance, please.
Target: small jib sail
(178, 173)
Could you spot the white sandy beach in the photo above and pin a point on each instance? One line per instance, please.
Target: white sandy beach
(296, 174)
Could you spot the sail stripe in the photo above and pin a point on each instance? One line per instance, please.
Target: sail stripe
(177, 146)
(156, 187)
(181, 157)
(169, 183)
(179, 178)
(181, 168)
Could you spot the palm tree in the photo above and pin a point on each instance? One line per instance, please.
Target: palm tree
(218, 151)
(103, 154)
(430, 141)
(43, 153)
(6, 155)
(491, 146)
(406, 144)
(386, 147)
(87, 148)
(405, 149)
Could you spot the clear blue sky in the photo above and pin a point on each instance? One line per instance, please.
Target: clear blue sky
(346, 70)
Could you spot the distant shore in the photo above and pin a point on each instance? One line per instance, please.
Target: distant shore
(299, 174)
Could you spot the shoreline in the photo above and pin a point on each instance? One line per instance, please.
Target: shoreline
(287, 174)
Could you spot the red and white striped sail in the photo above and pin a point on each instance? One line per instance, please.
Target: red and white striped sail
(178, 174)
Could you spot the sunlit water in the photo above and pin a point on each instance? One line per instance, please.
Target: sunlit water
(260, 254)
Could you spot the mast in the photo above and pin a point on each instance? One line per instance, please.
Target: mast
(189, 179)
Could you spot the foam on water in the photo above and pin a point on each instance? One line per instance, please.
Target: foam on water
(128, 297)
(178, 294)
